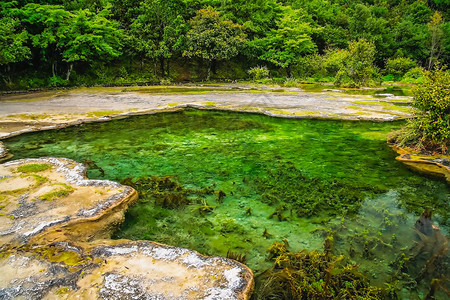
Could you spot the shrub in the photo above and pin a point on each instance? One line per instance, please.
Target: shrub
(333, 60)
(399, 66)
(55, 81)
(358, 69)
(308, 66)
(291, 82)
(388, 77)
(259, 72)
(429, 130)
(279, 80)
(415, 75)
(165, 82)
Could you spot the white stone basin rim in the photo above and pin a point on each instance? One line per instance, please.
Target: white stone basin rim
(237, 278)
(3, 150)
(75, 174)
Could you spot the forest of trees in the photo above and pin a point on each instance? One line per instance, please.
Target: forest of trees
(348, 42)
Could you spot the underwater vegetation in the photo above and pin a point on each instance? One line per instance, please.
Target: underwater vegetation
(418, 257)
(312, 275)
(166, 192)
(287, 187)
(327, 275)
(427, 261)
(220, 182)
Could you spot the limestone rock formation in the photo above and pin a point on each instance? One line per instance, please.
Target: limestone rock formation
(54, 243)
(3, 152)
(431, 165)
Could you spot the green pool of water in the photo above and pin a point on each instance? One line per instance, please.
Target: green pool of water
(261, 179)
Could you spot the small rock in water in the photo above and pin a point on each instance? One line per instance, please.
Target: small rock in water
(332, 90)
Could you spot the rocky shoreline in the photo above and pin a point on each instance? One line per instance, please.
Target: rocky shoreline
(437, 166)
(55, 242)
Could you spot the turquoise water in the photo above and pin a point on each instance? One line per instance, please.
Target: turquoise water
(262, 180)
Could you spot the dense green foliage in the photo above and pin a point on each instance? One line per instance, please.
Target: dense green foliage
(430, 128)
(357, 42)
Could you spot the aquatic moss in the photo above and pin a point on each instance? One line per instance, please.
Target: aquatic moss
(103, 113)
(33, 168)
(29, 116)
(63, 290)
(58, 193)
(307, 196)
(52, 253)
(39, 179)
(229, 151)
(229, 225)
(385, 105)
(165, 191)
(312, 275)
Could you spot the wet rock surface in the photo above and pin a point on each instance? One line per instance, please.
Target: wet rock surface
(130, 270)
(65, 108)
(37, 194)
(54, 232)
(4, 152)
(425, 164)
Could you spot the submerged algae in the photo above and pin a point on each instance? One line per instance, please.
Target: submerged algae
(288, 187)
(313, 275)
(241, 155)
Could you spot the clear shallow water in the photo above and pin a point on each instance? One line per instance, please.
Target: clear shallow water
(395, 90)
(249, 157)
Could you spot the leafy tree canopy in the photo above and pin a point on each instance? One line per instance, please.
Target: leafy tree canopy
(213, 38)
(290, 40)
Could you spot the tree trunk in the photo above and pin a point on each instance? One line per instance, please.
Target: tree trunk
(161, 62)
(53, 68)
(289, 72)
(209, 70)
(214, 67)
(168, 67)
(7, 78)
(69, 70)
(433, 45)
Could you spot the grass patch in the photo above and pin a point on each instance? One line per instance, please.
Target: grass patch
(307, 113)
(103, 113)
(404, 109)
(29, 116)
(39, 179)
(280, 112)
(353, 107)
(59, 193)
(33, 168)
(367, 102)
(359, 113)
(384, 105)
